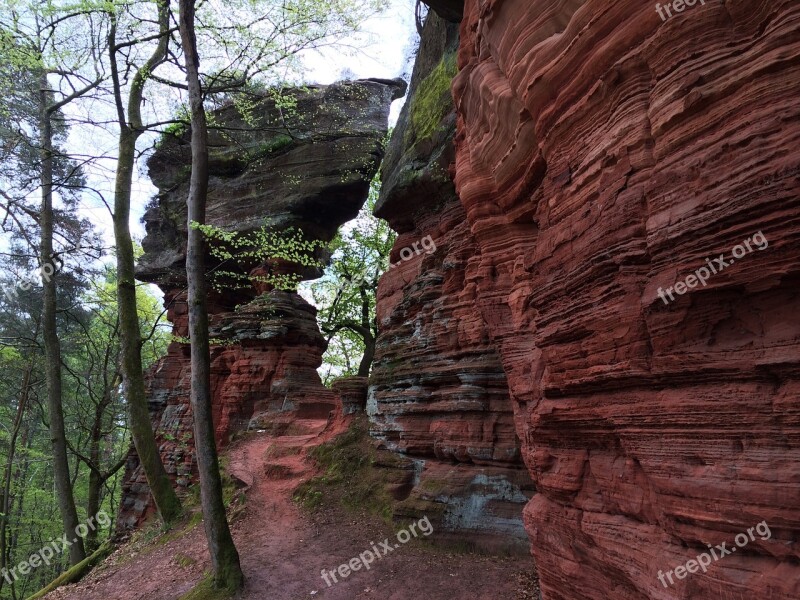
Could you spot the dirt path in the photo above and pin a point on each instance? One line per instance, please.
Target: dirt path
(284, 550)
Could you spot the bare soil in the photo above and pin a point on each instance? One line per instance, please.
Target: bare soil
(283, 548)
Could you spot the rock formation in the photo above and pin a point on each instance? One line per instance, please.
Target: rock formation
(438, 392)
(450, 10)
(602, 155)
(307, 167)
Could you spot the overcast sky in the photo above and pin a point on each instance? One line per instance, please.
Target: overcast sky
(385, 50)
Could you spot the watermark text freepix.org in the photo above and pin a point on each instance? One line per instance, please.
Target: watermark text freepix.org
(702, 561)
(406, 253)
(366, 558)
(716, 265)
(24, 284)
(676, 5)
(55, 548)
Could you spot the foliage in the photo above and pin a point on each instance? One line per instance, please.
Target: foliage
(177, 128)
(90, 344)
(346, 294)
(279, 255)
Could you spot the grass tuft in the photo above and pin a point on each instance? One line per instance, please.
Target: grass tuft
(349, 476)
(206, 590)
(183, 560)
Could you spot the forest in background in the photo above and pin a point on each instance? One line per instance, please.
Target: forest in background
(77, 333)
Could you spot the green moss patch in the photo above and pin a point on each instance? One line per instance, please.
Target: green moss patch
(206, 590)
(431, 101)
(183, 560)
(264, 149)
(350, 475)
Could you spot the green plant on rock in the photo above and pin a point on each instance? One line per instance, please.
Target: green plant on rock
(265, 149)
(265, 248)
(431, 102)
(176, 128)
(349, 474)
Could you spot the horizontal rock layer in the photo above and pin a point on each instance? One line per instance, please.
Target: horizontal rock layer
(306, 167)
(602, 156)
(438, 393)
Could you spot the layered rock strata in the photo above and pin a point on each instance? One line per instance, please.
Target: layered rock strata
(352, 392)
(438, 393)
(307, 167)
(602, 156)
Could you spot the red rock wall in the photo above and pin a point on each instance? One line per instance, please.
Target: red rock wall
(266, 345)
(603, 154)
(438, 393)
(438, 387)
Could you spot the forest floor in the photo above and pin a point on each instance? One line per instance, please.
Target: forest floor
(284, 547)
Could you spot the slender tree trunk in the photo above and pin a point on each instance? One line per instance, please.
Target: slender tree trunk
(367, 358)
(166, 500)
(366, 333)
(95, 477)
(224, 557)
(52, 346)
(9, 470)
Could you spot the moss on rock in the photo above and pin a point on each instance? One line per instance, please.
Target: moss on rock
(431, 102)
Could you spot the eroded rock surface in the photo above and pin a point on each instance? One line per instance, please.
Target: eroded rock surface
(604, 154)
(451, 10)
(438, 393)
(307, 168)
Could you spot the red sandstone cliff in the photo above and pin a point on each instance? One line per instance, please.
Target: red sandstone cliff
(308, 168)
(438, 393)
(603, 154)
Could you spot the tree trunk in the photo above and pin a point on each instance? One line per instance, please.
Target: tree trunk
(5, 508)
(367, 358)
(95, 477)
(224, 557)
(52, 345)
(166, 500)
(366, 334)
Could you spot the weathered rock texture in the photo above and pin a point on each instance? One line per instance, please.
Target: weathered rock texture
(451, 10)
(309, 169)
(438, 393)
(352, 392)
(603, 154)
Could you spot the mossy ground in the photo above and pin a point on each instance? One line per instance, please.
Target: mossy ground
(206, 590)
(350, 476)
